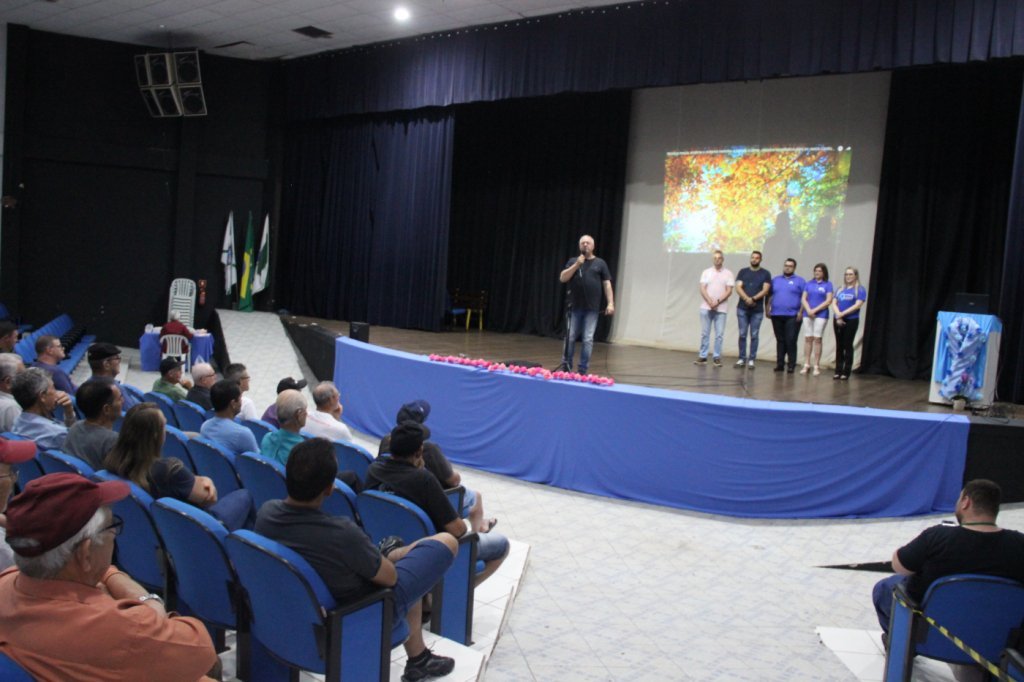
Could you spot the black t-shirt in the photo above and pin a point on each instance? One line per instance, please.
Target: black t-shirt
(200, 396)
(946, 550)
(433, 459)
(419, 486)
(169, 478)
(586, 285)
(337, 549)
(753, 282)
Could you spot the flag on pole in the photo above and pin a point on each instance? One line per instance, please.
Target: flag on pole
(259, 279)
(227, 256)
(245, 287)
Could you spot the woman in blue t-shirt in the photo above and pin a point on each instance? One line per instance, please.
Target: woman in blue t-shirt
(815, 301)
(847, 305)
(136, 457)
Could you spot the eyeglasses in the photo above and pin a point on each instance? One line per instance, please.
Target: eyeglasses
(116, 526)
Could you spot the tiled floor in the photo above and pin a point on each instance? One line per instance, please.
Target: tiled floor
(626, 591)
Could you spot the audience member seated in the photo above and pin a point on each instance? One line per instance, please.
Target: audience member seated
(325, 420)
(8, 336)
(49, 352)
(11, 365)
(344, 557)
(100, 400)
(175, 326)
(226, 397)
(67, 614)
(11, 452)
(34, 391)
(437, 464)
(136, 457)
(237, 372)
(170, 382)
(291, 414)
(204, 377)
(270, 414)
(105, 361)
(403, 474)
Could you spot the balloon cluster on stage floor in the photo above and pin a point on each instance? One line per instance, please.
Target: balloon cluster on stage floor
(538, 372)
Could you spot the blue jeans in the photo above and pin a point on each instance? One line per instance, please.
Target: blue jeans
(418, 571)
(235, 510)
(749, 319)
(491, 546)
(585, 322)
(882, 596)
(707, 318)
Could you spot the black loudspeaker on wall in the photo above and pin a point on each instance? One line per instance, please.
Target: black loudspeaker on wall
(360, 331)
(171, 83)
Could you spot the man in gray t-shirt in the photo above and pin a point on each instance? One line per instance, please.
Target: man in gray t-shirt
(100, 401)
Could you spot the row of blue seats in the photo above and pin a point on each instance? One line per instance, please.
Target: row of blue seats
(59, 326)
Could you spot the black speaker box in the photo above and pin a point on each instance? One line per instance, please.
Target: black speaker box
(360, 331)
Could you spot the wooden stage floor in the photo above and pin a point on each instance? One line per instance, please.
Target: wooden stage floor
(660, 368)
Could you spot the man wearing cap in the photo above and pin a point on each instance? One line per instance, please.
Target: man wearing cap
(204, 377)
(35, 393)
(291, 414)
(325, 420)
(170, 382)
(226, 397)
(11, 452)
(351, 567)
(105, 361)
(100, 400)
(49, 352)
(403, 474)
(286, 384)
(11, 365)
(66, 613)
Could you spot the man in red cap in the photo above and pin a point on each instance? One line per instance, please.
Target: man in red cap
(11, 452)
(66, 613)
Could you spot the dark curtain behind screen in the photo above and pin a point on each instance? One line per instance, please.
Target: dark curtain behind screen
(365, 217)
(1011, 372)
(532, 176)
(942, 206)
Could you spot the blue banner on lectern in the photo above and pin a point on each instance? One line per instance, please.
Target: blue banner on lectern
(961, 353)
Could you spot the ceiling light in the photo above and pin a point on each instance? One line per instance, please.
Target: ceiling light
(401, 14)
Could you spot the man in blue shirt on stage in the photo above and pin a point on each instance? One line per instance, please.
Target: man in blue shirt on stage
(785, 313)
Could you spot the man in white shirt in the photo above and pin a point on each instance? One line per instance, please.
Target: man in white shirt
(716, 285)
(11, 365)
(325, 421)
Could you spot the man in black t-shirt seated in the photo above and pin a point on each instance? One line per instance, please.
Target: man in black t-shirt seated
(404, 474)
(976, 545)
(341, 553)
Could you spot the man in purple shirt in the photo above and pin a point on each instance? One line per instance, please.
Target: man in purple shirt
(785, 313)
(49, 352)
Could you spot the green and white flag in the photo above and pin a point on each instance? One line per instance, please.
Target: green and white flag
(227, 256)
(259, 279)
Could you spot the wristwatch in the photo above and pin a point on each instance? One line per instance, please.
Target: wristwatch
(147, 597)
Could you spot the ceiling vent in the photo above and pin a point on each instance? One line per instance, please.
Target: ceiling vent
(313, 32)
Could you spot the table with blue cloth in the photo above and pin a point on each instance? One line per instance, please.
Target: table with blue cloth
(149, 349)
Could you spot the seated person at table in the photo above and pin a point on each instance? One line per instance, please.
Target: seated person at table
(67, 614)
(204, 377)
(237, 372)
(403, 474)
(136, 457)
(226, 398)
(34, 391)
(100, 401)
(8, 336)
(325, 420)
(105, 361)
(170, 382)
(11, 365)
(174, 326)
(291, 414)
(341, 553)
(49, 352)
(270, 414)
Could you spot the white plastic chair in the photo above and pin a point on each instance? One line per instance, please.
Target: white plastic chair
(183, 301)
(176, 347)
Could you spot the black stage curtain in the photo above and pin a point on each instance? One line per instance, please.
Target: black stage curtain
(365, 213)
(532, 176)
(942, 206)
(645, 44)
(1011, 303)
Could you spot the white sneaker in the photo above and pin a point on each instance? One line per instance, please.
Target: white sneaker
(740, 363)
(750, 364)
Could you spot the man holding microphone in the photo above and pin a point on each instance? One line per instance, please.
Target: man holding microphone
(587, 276)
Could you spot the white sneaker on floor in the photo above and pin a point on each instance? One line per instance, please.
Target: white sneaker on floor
(740, 363)
(750, 364)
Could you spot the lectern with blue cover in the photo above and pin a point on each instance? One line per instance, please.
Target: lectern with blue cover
(966, 358)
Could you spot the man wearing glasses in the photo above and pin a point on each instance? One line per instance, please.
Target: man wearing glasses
(49, 352)
(67, 613)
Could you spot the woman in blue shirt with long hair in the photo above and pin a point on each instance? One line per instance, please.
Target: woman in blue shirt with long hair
(846, 305)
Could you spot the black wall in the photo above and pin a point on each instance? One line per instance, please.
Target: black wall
(113, 204)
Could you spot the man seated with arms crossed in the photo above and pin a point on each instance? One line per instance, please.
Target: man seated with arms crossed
(226, 397)
(67, 614)
(100, 400)
(342, 554)
(34, 391)
(404, 474)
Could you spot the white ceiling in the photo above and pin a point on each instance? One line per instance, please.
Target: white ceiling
(267, 25)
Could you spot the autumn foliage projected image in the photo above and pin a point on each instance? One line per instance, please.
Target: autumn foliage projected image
(738, 199)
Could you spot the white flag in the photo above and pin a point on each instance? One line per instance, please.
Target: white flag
(227, 256)
(259, 278)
